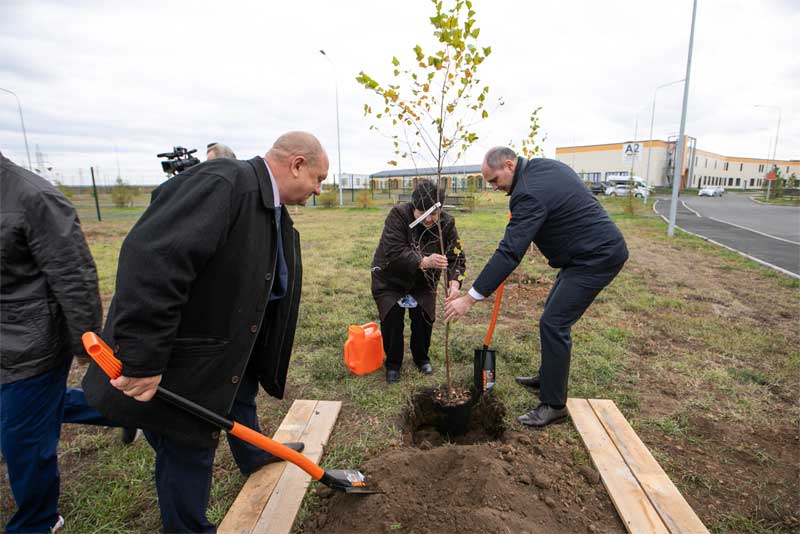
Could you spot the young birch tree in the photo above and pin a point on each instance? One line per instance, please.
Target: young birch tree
(431, 110)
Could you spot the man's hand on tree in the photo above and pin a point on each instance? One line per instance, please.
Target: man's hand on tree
(142, 389)
(434, 261)
(455, 288)
(457, 307)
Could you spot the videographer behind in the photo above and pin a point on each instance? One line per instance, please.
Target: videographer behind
(218, 150)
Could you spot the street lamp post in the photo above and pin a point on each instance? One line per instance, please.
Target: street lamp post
(338, 137)
(652, 120)
(676, 177)
(22, 121)
(775, 148)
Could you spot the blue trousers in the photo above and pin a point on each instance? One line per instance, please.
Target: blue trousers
(183, 473)
(31, 413)
(574, 290)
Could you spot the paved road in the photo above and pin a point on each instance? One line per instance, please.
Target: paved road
(768, 233)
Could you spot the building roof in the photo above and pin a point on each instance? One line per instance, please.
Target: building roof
(659, 143)
(428, 171)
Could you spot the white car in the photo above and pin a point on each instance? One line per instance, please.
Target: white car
(711, 191)
(622, 190)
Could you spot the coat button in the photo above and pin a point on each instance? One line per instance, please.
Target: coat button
(234, 379)
(253, 328)
(215, 435)
(268, 276)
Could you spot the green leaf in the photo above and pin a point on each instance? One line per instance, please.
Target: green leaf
(392, 163)
(395, 61)
(475, 33)
(487, 50)
(418, 52)
(485, 114)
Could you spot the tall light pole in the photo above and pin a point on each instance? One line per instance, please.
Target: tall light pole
(676, 177)
(338, 139)
(652, 120)
(775, 148)
(21, 120)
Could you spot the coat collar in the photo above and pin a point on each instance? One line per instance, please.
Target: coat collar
(522, 163)
(264, 183)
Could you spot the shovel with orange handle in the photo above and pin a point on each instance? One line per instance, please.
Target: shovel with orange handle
(347, 480)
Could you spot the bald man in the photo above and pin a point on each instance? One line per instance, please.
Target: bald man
(207, 294)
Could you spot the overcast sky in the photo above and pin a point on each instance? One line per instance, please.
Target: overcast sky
(101, 80)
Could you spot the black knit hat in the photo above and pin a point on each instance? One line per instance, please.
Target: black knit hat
(424, 195)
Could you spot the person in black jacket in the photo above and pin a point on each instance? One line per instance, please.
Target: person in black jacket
(552, 208)
(206, 304)
(405, 274)
(49, 296)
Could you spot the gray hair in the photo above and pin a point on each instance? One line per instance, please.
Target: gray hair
(298, 144)
(218, 150)
(496, 156)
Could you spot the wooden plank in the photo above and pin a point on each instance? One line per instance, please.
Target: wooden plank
(248, 505)
(675, 512)
(632, 504)
(281, 510)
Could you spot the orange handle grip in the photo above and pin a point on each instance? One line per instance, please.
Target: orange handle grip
(102, 354)
(498, 297)
(273, 447)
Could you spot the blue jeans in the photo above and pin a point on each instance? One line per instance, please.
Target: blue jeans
(183, 473)
(31, 413)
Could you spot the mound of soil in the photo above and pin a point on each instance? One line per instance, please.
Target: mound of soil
(526, 482)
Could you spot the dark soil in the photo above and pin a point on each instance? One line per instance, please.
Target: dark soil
(487, 480)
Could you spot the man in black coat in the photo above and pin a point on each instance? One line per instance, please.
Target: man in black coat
(406, 268)
(206, 304)
(552, 208)
(49, 296)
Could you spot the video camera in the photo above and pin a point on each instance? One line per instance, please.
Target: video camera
(178, 160)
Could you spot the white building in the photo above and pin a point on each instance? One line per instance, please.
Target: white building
(654, 162)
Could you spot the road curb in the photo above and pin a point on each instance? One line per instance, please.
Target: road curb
(748, 256)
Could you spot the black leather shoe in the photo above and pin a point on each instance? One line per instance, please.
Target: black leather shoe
(392, 376)
(426, 369)
(530, 382)
(543, 415)
(294, 445)
(129, 435)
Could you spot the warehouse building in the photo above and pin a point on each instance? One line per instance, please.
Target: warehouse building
(653, 160)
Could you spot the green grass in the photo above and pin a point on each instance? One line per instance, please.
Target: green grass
(638, 332)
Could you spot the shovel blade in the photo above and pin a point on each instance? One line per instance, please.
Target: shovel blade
(347, 480)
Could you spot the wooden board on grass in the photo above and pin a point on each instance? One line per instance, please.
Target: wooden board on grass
(309, 421)
(631, 502)
(673, 509)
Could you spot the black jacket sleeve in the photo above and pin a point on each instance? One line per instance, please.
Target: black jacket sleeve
(159, 261)
(527, 217)
(59, 248)
(400, 254)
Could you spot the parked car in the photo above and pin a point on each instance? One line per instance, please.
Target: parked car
(598, 188)
(711, 191)
(623, 190)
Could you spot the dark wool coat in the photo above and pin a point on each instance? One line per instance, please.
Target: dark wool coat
(191, 298)
(552, 208)
(48, 282)
(395, 265)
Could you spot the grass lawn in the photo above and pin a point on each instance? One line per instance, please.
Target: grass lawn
(697, 345)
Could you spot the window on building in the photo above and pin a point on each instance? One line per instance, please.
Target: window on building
(730, 182)
(715, 164)
(695, 161)
(725, 167)
(741, 167)
(738, 182)
(706, 163)
(787, 169)
(761, 168)
(752, 182)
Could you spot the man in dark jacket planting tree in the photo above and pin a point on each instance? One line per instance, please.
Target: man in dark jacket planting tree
(552, 208)
(206, 305)
(405, 273)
